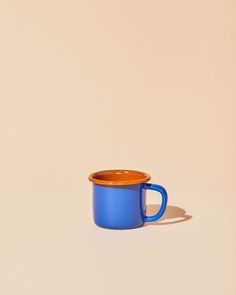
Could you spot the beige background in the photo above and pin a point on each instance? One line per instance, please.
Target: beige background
(90, 85)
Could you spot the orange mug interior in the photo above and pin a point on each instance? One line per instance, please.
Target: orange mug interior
(119, 177)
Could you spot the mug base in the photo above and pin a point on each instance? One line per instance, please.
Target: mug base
(119, 228)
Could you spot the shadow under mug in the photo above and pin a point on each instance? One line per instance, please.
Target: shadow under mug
(119, 198)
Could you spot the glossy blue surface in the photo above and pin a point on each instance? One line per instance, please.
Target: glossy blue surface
(123, 207)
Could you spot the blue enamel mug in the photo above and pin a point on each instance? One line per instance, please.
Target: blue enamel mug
(119, 198)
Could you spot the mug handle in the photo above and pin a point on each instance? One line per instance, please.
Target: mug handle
(160, 189)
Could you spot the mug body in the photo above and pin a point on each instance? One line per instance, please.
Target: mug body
(119, 198)
(119, 207)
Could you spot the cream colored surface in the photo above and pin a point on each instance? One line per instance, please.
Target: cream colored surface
(90, 85)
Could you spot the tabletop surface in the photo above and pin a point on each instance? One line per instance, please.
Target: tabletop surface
(49, 244)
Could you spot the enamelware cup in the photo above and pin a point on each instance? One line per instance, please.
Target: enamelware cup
(119, 198)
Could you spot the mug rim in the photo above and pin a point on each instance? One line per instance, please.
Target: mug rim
(135, 177)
